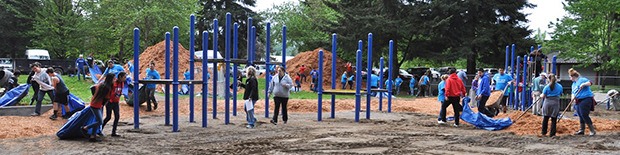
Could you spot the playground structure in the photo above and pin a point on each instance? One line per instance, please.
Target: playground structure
(358, 92)
(227, 60)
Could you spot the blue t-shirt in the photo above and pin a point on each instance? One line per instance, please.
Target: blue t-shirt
(130, 68)
(116, 68)
(374, 80)
(442, 92)
(556, 92)
(80, 63)
(424, 80)
(351, 77)
(501, 81)
(585, 91)
(412, 82)
(151, 75)
(186, 75)
(313, 73)
(484, 87)
(398, 81)
(387, 83)
(343, 79)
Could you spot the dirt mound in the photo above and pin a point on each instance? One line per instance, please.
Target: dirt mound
(157, 54)
(531, 124)
(311, 60)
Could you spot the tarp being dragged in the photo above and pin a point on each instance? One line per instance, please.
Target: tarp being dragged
(93, 72)
(14, 95)
(482, 121)
(75, 104)
(73, 128)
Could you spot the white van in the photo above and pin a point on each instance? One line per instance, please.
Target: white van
(38, 54)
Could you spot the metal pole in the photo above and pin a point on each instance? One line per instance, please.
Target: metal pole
(507, 59)
(524, 98)
(192, 19)
(358, 83)
(284, 46)
(136, 84)
(553, 64)
(380, 86)
(390, 75)
(268, 67)
(167, 76)
(369, 69)
(320, 87)
(517, 97)
(235, 66)
(215, 50)
(205, 71)
(227, 75)
(249, 40)
(334, 74)
(512, 73)
(175, 81)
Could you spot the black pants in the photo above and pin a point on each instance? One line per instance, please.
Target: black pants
(350, 83)
(422, 91)
(482, 106)
(504, 101)
(35, 88)
(109, 108)
(151, 99)
(280, 101)
(553, 125)
(454, 101)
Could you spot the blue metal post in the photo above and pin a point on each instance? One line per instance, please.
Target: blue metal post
(249, 40)
(192, 19)
(227, 73)
(320, 87)
(512, 73)
(507, 59)
(518, 80)
(390, 75)
(167, 76)
(359, 46)
(334, 75)
(175, 81)
(369, 69)
(358, 83)
(252, 43)
(267, 66)
(215, 50)
(235, 66)
(284, 46)
(553, 64)
(136, 84)
(381, 86)
(524, 99)
(205, 82)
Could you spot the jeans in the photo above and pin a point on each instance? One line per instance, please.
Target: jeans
(411, 89)
(441, 111)
(545, 124)
(454, 101)
(583, 109)
(397, 87)
(40, 95)
(344, 85)
(280, 101)
(95, 125)
(482, 106)
(250, 115)
(109, 108)
(80, 71)
(151, 98)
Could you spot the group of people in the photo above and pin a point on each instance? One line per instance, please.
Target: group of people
(544, 87)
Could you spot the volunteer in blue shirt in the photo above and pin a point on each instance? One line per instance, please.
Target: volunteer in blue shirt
(398, 82)
(343, 80)
(151, 74)
(113, 68)
(501, 82)
(583, 97)
(80, 62)
(374, 82)
(483, 92)
(551, 107)
(441, 96)
(424, 84)
(412, 85)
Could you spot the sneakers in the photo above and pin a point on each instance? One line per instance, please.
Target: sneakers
(284, 122)
(580, 132)
(441, 122)
(273, 122)
(53, 117)
(249, 126)
(592, 133)
(455, 125)
(35, 114)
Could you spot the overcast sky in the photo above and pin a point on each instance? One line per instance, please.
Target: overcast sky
(545, 12)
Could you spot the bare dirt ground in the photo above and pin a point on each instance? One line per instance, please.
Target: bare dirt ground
(411, 129)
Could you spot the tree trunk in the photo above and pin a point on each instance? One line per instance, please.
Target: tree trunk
(471, 61)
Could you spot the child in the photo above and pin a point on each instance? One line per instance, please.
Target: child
(343, 80)
(297, 82)
(350, 82)
(112, 106)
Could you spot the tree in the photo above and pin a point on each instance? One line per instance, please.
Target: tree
(212, 9)
(16, 21)
(590, 33)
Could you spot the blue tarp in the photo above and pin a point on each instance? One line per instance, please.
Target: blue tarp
(75, 104)
(94, 71)
(14, 95)
(73, 128)
(482, 121)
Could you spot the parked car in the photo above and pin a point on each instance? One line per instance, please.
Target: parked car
(42, 56)
(419, 71)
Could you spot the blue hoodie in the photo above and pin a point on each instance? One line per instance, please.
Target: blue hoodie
(484, 86)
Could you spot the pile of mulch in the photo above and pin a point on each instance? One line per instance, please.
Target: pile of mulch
(311, 60)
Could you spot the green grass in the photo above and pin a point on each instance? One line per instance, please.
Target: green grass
(597, 88)
(77, 88)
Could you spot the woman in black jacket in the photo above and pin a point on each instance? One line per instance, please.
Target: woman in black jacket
(250, 96)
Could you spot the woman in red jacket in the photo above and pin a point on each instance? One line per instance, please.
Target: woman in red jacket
(454, 91)
(102, 95)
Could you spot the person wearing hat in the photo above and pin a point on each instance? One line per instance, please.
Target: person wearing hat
(80, 63)
(537, 86)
